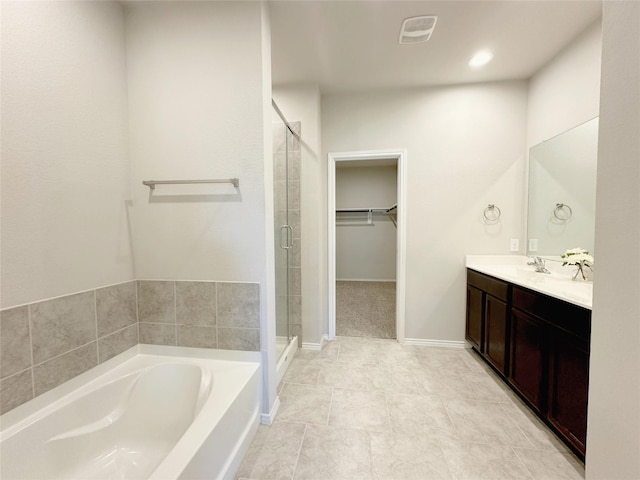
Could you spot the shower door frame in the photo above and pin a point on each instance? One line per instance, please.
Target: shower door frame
(401, 156)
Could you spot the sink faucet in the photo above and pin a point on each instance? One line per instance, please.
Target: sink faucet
(538, 264)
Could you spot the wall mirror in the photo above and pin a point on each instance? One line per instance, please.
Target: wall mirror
(562, 192)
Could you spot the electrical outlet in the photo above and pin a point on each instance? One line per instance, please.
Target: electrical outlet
(533, 244)
(515, 244)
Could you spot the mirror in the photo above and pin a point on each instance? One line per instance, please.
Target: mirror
(562, 192)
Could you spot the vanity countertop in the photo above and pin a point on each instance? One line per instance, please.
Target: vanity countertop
(514, 269)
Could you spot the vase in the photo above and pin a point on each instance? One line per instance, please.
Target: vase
(580, 274)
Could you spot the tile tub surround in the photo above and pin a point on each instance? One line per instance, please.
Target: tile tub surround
(44, 344)
(374, 409)
(224, 315)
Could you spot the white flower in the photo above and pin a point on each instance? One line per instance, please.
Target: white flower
(583, 258)
(577, 256)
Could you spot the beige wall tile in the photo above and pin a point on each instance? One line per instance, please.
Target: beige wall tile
(196, 303)
(16, 390)
(156, 302)
(60, 369)
(247, 339)
(111, 345)
(116, 307)
(157, 333)
(15, 342)
(238, 305)
(197, 336)
(62, 324)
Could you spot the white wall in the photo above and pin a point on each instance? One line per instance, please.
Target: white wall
(196, 113)
(613, 434)
(200, 108)
(565, 93)
(465, 150)
(366, 252)
(302, 103)
(65, 172)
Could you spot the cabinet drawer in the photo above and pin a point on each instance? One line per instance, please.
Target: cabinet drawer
(568, 317)
(492, 286)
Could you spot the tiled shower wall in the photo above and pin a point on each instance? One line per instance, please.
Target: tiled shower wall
(46, 343)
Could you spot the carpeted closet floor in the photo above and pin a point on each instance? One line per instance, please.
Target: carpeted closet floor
(366, 309)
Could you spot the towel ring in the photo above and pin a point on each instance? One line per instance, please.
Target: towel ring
(492, 213)
(562, 212)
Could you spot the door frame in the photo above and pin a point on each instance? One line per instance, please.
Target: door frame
(401, 248)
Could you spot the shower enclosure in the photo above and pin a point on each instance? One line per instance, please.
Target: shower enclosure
(286, 194)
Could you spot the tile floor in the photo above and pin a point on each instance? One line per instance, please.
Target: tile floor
(375, 409)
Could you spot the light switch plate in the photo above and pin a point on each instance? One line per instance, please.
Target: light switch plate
(533, 244)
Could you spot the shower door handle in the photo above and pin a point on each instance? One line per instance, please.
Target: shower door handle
(288, 241)
(290, 236)
(286, 245)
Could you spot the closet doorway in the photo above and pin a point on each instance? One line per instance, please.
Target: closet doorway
(366, 226)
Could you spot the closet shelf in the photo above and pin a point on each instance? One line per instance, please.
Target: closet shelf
(391, 212)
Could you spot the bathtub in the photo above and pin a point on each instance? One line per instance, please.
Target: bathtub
(153, 412)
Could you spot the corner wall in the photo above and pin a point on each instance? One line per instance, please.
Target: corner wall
(613, 433)
(565, 93)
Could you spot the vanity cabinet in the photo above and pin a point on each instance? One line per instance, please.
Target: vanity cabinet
(551, 367)
(528, 358)
(539, 344)
(487, 317)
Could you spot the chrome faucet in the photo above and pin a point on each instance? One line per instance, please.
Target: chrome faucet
(538, 264)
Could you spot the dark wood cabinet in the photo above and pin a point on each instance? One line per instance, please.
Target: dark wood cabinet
(495, 338)
(527, 359)
(540, 345)
(475, 306)
(568, 386)
(487, 318)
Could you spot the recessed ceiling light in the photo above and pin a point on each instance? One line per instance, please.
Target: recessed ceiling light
(480, 59)
(417, 29)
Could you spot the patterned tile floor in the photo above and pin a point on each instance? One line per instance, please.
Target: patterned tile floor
(374, 409)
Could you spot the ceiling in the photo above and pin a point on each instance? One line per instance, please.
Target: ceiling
(353, 45)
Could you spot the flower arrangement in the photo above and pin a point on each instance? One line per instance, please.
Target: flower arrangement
(580, 258)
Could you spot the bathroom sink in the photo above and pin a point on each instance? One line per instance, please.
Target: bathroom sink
(558, 285)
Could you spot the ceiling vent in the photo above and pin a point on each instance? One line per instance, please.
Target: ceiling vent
(417, 29)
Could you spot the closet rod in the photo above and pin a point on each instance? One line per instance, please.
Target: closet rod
(365, 210)
(361, 210)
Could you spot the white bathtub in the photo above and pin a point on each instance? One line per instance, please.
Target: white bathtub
(151, 413)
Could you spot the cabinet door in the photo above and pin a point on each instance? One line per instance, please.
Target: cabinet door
(474, 332)
(527, 364)
(495, 327)
(569, 386)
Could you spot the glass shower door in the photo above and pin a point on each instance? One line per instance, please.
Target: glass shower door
(283, 233)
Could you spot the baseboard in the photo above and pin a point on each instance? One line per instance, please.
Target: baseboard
(423, 342)
(286, 358)
(267, 418)
(366, 280)
(315, 346)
